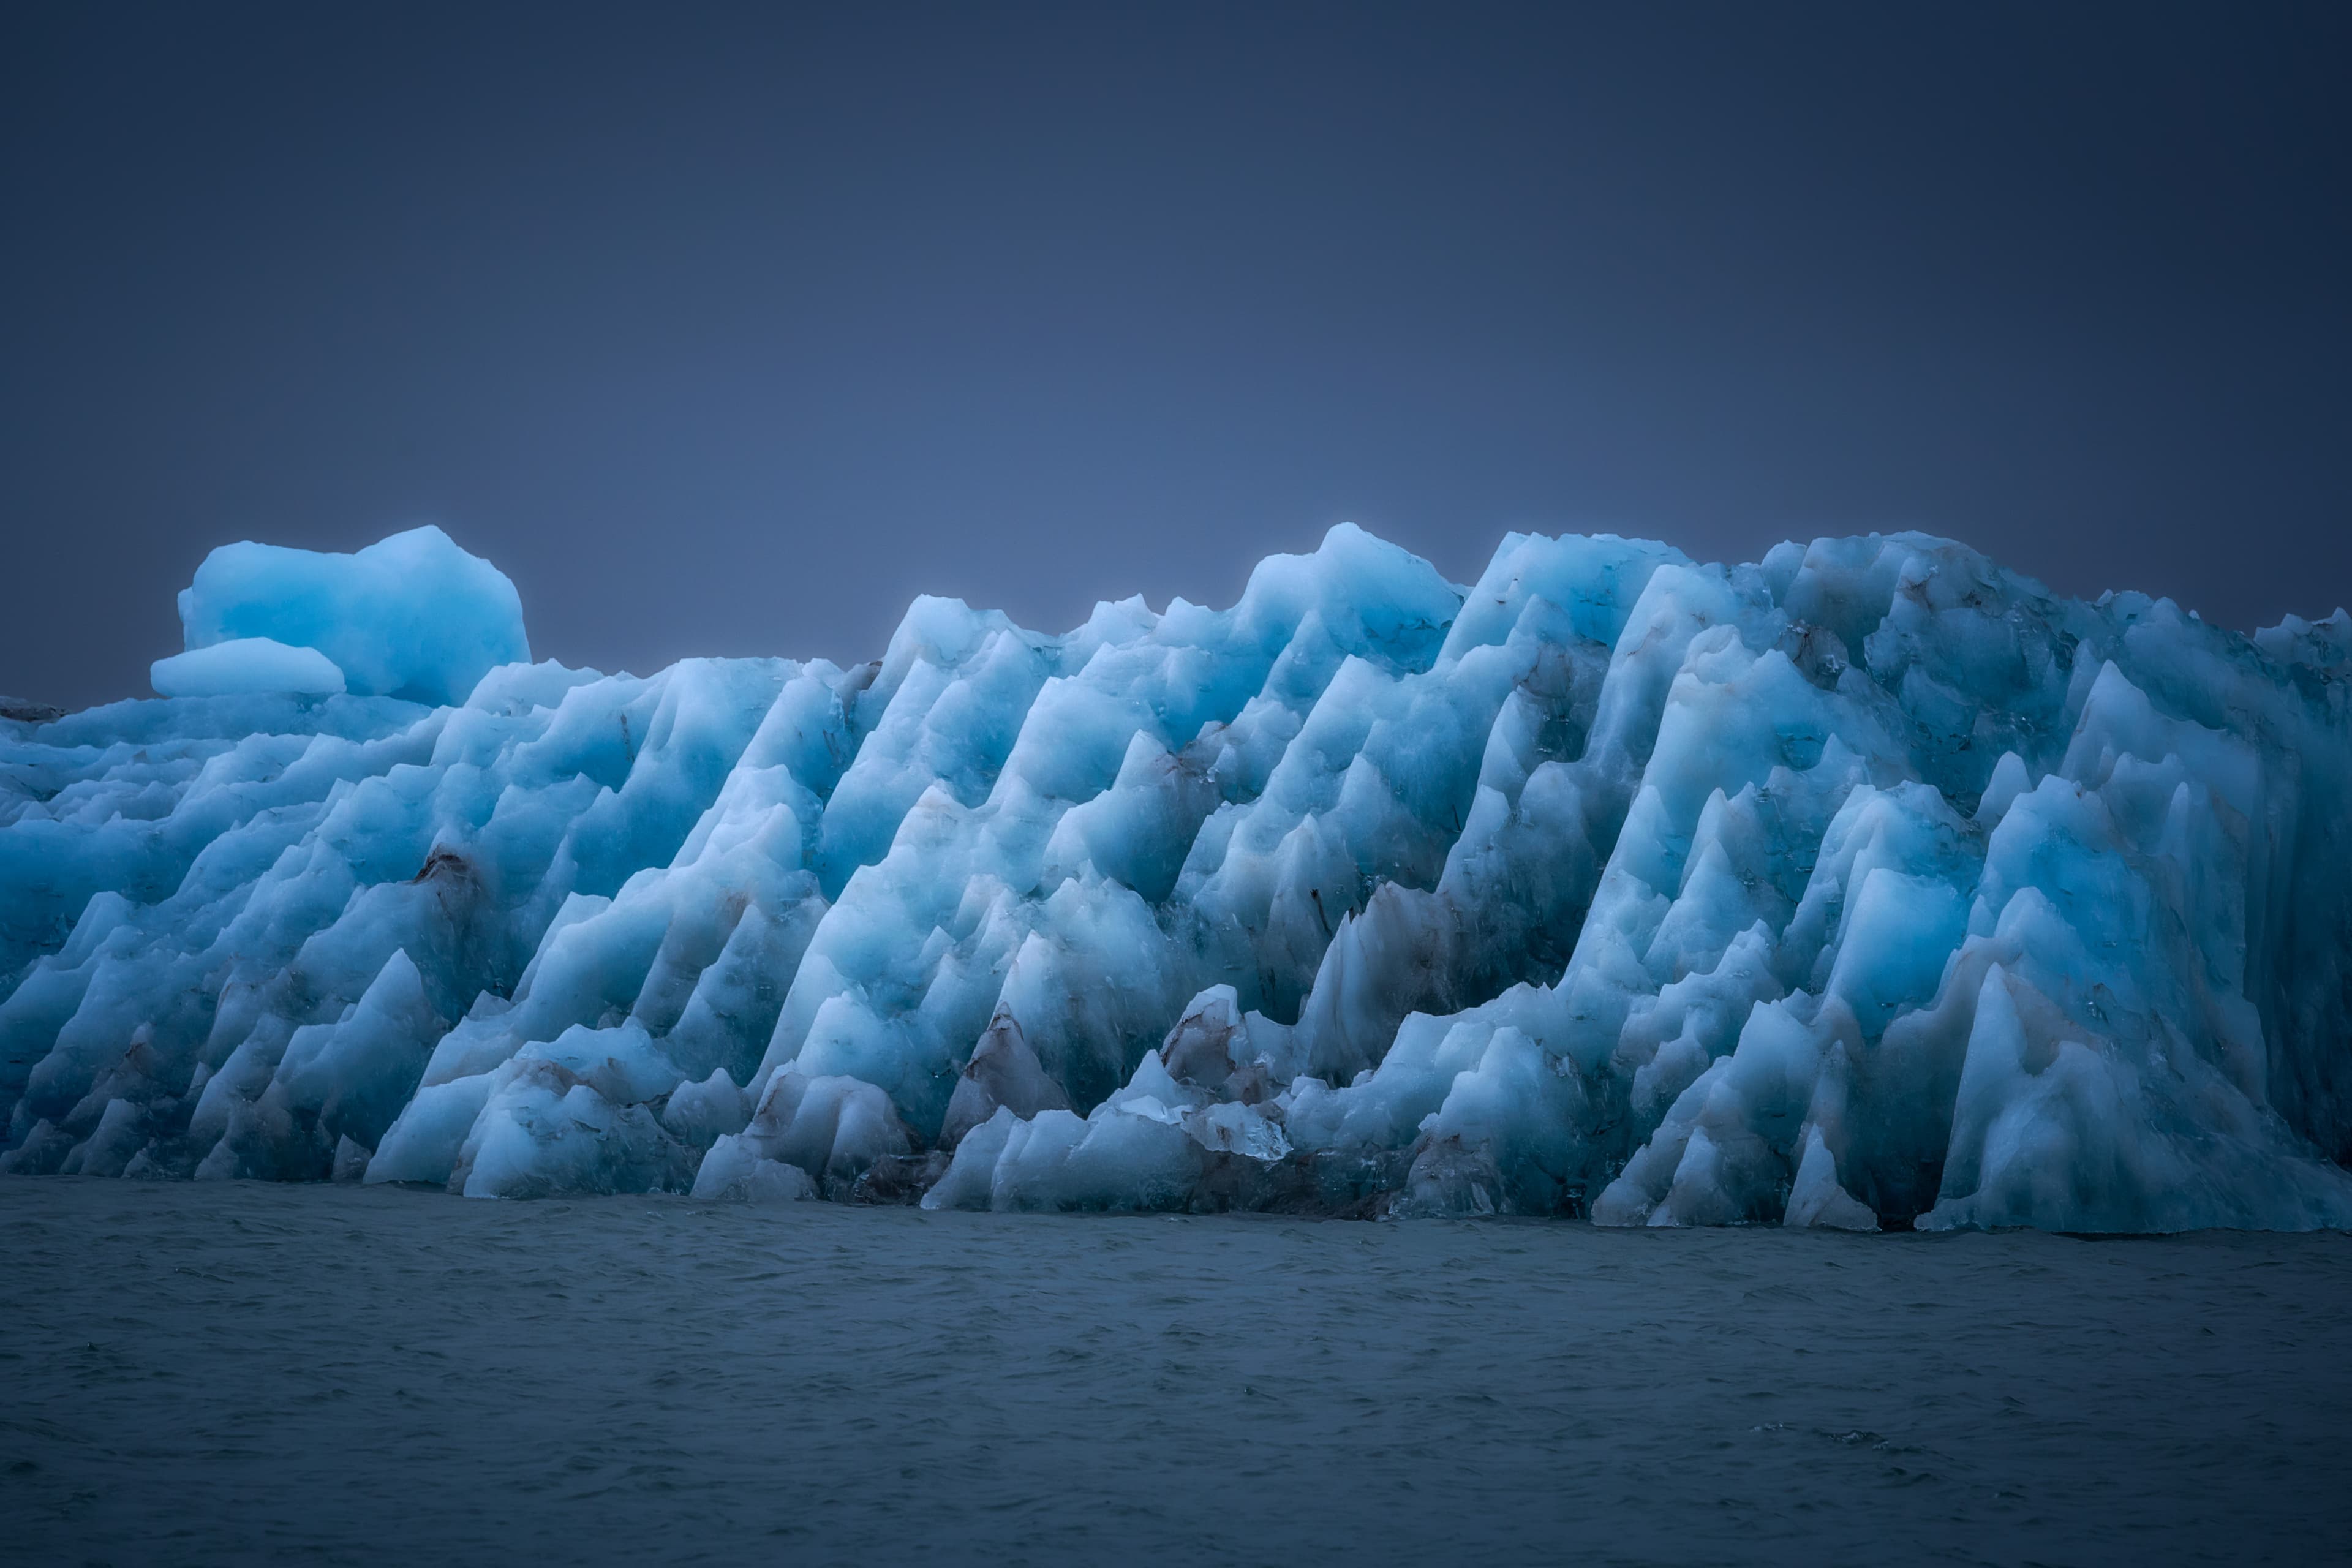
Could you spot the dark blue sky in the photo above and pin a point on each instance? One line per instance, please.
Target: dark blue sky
(727, 329)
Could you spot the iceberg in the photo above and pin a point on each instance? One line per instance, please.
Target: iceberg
(1869, 885)
(246, 665)
(412, 615)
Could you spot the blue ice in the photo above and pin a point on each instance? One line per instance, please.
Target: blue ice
(411, 616)
(1866, 885)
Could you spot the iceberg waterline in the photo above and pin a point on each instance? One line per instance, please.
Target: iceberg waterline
(1866, 885)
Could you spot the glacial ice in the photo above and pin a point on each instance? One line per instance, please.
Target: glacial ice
(244, 665)
(1866, 885)
(412, 615)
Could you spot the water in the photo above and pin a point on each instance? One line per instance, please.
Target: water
(204, 1375)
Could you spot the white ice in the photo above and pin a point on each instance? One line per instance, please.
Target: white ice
(1869, 884)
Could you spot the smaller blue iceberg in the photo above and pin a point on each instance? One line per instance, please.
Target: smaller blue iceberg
(411, 616)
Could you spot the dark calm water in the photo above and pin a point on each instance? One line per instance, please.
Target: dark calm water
(201, 1374)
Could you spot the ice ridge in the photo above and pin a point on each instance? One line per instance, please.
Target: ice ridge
(1866, 885)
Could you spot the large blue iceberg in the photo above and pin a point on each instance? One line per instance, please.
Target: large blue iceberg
(1869, 885)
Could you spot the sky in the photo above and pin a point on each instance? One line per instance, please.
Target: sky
(728, 328)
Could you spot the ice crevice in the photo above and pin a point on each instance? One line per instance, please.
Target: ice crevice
(1868, 885)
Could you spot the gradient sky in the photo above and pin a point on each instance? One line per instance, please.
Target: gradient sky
(727, 329)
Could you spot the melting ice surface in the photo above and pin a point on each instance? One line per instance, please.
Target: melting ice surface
(1865, 885)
